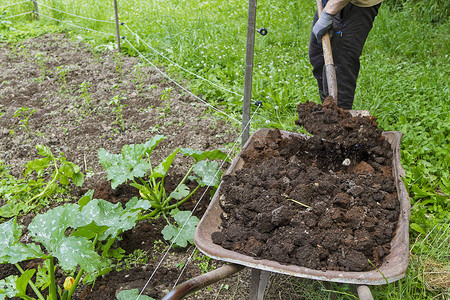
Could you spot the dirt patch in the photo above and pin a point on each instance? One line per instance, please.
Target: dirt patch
(328, 202)
(73, 90)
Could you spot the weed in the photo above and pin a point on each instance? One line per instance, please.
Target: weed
(117, 110)
(118, 61)
(203, 262)
(138, 77)
(63, 72)
(24, 113)
(87, 97)
(133, 260)
(165, 94)
(41, 60)
(52, 175)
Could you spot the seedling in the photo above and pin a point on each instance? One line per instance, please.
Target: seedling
(138, 77)
(118, 61)
(134, 164)
(63, 74)
(117, 110)
(24, 113)
(84, 86)
(41, 61)
(136, 259)
(166, 94)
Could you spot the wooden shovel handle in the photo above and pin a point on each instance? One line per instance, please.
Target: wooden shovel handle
(328, 58)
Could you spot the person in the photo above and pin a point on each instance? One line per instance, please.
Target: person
(349, 23)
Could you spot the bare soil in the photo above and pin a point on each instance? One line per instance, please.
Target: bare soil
(328, 202)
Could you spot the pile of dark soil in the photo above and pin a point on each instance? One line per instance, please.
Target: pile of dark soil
(327, 202)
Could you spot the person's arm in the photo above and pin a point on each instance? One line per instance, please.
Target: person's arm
(334, 6)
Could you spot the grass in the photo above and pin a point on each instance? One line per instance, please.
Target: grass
(404, 82)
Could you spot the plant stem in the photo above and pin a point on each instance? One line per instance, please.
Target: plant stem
(148, 216)
(182, 201)
(35, 289)
(77, 279)
(298, 202)
(52, 286)
(181, 182)
(48, 185)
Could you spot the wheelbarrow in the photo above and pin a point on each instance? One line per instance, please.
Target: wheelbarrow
(393, 266)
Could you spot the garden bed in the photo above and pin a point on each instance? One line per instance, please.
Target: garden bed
(76, 99)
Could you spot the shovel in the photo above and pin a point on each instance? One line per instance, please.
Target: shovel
(330, 71)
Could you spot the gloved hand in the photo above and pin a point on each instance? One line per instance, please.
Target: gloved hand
(322, 26)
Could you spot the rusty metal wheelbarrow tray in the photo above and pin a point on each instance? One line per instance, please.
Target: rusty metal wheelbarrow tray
(393, 266)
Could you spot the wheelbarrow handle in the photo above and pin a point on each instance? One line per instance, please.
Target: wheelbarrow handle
(330, 71)
(199, 282)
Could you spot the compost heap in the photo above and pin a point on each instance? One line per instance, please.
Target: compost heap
(328, 202)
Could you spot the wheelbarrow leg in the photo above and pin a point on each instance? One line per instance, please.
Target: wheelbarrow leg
(364, 292)
(258, 284)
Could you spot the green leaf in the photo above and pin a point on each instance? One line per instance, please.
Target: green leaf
(124, 166)
(445, 187)
(13, 208)
(107, 159)
(208, 172)
(152, 143)
(417, 228)
(90, 231)
(44, 151)
(22, 283)
(201, 155)
(43, 279)
(49, 228)
(8, 287)
(78, 179)
(38, 165)
(161, 170)
(66, 170)
(180, 192)
(76, 250)
(130, 163)
(183, 232)
(104, 213)
(86, 198)
(70, 170)
(137, 204)
(420, 193)
(132, 294)
(11, 250)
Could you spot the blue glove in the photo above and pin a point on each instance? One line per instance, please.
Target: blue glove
(322, 26)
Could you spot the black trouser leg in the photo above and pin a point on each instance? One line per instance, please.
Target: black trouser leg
(351, 26)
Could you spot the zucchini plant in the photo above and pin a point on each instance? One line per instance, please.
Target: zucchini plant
(134, 165)
(79, 236)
